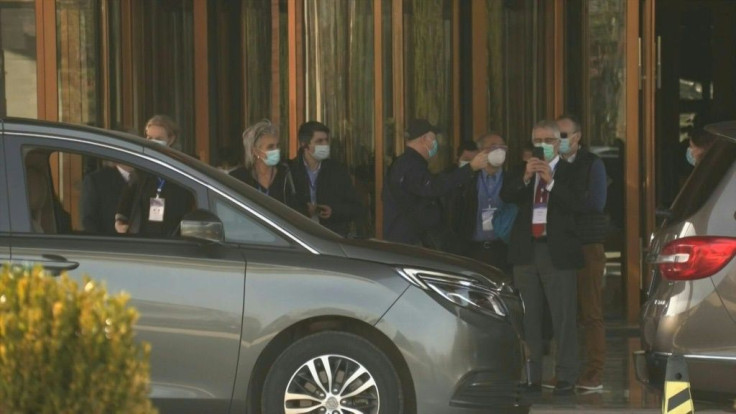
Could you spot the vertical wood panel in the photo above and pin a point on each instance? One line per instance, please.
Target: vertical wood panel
(397, 20)
(647, 158)
(105, 99)
(201, 81)
(558, 91)
(631, 166)
(275, 65)
(554, 59)
(378, 111)
(127, 65)
(480, 59)
(292, 17)
(300, 74)
(46, 66)
(455, 75)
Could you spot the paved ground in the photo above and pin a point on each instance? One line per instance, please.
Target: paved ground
(621, 393)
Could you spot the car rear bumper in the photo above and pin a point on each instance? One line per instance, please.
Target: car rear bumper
(650, 368)
(712, 379)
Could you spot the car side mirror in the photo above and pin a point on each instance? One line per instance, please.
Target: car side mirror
(202, 225)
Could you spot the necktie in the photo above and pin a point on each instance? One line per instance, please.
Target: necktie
(541, 195)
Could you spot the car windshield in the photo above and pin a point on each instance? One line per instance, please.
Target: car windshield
(266, 203)
(707, 174)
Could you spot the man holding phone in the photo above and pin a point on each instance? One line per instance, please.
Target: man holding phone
(546, 253)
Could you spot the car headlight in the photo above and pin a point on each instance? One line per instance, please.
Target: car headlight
(463, 291)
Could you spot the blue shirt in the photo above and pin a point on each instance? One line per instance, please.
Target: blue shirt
(489, 189)
(312, 178)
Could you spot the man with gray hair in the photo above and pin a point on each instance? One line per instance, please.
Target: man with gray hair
(546, 253)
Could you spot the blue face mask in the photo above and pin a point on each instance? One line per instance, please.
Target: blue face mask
(272, 157)
(434, 149)
(564, 145)
(549, 150)
(689, 156)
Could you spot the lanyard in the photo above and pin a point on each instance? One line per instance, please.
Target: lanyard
(161, 183)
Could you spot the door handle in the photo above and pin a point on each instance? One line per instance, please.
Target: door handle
(56, 264)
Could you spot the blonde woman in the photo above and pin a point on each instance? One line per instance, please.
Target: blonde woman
(262, 167)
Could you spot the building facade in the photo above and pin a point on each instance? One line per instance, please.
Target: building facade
(365, 67)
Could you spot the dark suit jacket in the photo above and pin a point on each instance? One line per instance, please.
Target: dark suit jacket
(101, 192)
(412, 197)
(135, 203)
(565, 200)
(334, 189)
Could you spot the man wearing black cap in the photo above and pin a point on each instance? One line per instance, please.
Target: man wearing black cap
(411, 194)
(323, 185)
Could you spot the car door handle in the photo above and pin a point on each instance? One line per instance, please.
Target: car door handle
(56, 264)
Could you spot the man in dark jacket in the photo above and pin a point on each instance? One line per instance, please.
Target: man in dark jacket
(323, 185)
(411, 193)
(592, 226)
(101, 192)
(546, 253)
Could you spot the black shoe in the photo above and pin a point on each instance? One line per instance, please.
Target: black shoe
(534, 388)
(564, 388)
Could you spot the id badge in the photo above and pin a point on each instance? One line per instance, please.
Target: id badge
(156, 211)
(487, 216)
(539, 215)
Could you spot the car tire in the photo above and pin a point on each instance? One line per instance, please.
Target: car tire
(362, 377)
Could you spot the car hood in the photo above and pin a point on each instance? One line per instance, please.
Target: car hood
(402, 255)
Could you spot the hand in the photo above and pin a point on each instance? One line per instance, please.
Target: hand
(312, 209)
(545, 172)
(480, 161)
(121, 226)
(531, 168)
(325, 211)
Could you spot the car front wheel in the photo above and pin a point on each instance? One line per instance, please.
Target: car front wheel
(332, 373)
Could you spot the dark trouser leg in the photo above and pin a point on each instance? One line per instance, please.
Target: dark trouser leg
(527, 281)
(560, 288)
(590, 290)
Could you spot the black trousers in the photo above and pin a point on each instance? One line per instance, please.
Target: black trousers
(493, 252)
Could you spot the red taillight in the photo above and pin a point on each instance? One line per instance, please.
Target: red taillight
(693, 258)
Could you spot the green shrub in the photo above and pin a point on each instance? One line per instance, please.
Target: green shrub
(67, 350)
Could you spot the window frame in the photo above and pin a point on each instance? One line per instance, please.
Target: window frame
(285, 242)
(4, 193)
(18, 144)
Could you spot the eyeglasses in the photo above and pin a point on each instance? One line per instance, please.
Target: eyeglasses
(546, 140)
(495, 147)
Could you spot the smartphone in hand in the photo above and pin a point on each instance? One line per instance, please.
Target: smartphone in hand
(538, 152)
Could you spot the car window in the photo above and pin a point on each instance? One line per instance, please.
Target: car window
(703, 180)
(75, 193)
(241, 228)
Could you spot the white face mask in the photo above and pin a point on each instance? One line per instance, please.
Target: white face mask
(463, 163)
(496, 157)
(159, 142)
(321, 152)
